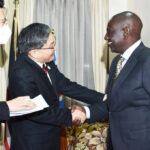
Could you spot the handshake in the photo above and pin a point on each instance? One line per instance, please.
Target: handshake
(78, 115)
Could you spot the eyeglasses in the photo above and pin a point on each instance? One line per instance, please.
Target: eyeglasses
(51, 49)
(45, 48)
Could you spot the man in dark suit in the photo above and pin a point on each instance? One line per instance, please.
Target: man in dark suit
(128, 104)
(20, 103)
(41, 130)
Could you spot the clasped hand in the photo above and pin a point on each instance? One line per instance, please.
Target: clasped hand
(78, 115)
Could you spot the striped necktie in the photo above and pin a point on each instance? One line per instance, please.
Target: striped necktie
(119, 66)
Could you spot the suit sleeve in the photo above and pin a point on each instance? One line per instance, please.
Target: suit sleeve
(74, 90)
(24, 84)
(4, 112)
(98, 112)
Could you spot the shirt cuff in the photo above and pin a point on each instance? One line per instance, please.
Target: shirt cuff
(105, 97)
(87, 112)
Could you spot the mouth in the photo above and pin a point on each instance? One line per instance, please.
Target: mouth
(109, 43)
(52, 55)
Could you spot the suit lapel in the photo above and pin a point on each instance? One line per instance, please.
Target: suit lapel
(113, 71)
(39, 71)
(50, 71)
(125, 71)
(130, 64)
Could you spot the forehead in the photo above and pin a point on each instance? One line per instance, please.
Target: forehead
(51, 37)
(114, 24)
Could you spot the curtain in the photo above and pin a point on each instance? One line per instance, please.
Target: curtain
(25, 17)
(71, 20)
(99, 19)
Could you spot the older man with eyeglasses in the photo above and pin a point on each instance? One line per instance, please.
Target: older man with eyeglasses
(36, 73)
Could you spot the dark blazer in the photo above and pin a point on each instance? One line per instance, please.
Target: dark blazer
(128, 104)
(4, 112)
(41, 130)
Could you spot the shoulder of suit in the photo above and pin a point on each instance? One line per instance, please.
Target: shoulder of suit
(115, 58)
(21, 65)
(145, 52)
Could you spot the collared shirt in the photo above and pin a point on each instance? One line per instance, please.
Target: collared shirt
(126, 55)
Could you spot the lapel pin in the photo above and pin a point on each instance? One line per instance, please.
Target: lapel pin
(49, 67)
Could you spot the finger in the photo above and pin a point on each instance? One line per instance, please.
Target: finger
(73, 108)
(30, 104)
(76, 122)
(22, 98)
(28, 107)
(27, 97)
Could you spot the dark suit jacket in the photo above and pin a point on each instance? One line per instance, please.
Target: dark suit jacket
(4, 112)
(128, 104)
(41, 130)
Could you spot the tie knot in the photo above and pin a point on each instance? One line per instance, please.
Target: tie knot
(121, 59)
(44, 68)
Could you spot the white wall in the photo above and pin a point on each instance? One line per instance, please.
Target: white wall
(117, 6)
(140, 7)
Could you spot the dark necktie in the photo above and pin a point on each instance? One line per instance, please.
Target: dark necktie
(44, 68)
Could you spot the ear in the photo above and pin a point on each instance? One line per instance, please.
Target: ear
(126, 31)
(32, 53)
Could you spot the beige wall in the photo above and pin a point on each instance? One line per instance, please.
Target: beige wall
(116, 6)
(140, 7)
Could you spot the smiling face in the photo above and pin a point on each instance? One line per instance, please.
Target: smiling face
(123, 30)
(46, 53)
(115, 36)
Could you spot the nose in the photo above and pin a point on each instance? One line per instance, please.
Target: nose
(106, 37)
(55, 48)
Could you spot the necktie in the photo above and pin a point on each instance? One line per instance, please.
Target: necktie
(44, 68)
(119, 66)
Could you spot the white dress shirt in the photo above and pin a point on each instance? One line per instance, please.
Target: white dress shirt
(129, 51)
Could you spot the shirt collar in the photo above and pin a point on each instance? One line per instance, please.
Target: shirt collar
(130, 50)
(40, 64)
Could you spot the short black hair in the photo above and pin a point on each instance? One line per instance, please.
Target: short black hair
(1, 3)
(33, 36)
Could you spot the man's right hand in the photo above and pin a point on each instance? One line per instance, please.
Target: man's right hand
(20, 103)
(78, 115)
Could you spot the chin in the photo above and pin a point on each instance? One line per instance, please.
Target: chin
(51, 60)
(113, 50)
